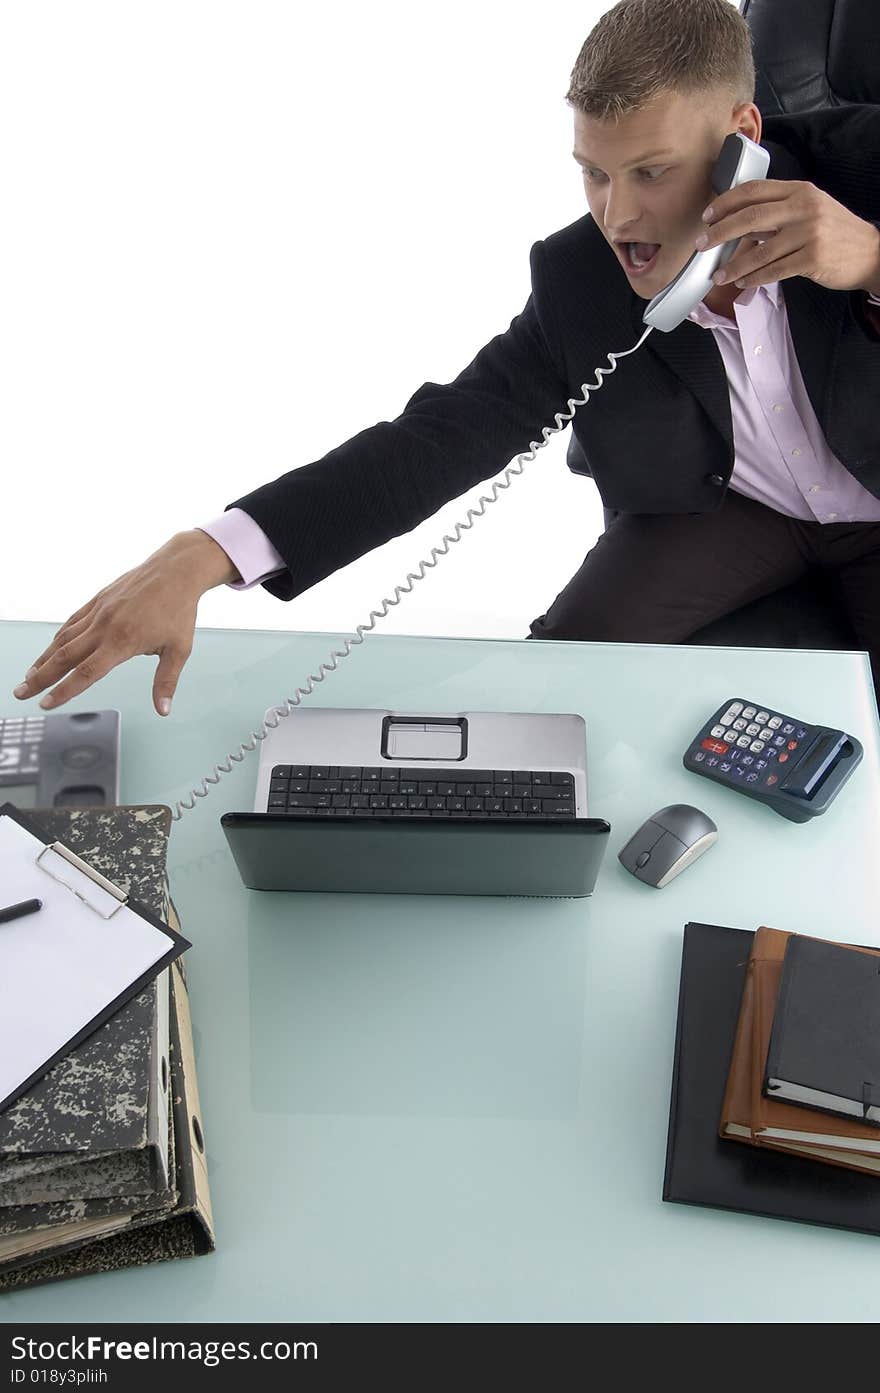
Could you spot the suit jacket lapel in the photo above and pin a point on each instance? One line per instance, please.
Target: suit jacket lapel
(693, 355)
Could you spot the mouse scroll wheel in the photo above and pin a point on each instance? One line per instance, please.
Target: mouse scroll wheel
(643, 859)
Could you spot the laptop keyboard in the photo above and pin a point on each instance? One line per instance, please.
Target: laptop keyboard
(331, 790)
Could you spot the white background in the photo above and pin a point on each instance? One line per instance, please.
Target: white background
(236, 234)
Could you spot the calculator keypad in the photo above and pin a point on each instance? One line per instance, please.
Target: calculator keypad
(749, 746)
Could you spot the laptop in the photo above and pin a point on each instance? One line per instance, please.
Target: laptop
(376, 801)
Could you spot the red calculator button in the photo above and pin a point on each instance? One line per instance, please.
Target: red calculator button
(783, 758)
(792, 744)
(771, 780)
(717, 747)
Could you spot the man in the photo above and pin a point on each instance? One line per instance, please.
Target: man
(738, 449)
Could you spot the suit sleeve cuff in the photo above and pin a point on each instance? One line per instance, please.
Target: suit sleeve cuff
(246, 545)
(872, 312)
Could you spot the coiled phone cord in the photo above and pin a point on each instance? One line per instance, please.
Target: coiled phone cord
(281, 712)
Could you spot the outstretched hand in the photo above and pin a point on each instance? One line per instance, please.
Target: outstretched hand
(151, 609)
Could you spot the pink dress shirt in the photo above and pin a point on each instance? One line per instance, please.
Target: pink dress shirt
(781, 458)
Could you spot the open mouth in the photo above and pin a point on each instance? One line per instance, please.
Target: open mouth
(638, 257)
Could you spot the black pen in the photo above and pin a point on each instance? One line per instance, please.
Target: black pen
(15, 911)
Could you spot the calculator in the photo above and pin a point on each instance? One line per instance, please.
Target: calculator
(794, 767)
(68, 759)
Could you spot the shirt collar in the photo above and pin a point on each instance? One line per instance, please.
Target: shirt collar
(707, 318)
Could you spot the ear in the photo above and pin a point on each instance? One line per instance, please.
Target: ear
(748, 120)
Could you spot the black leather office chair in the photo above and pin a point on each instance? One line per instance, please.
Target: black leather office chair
(808, 54)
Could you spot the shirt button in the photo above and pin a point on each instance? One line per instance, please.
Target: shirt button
(797, 452)
(759, 348)
(831, 517)
(815, 488)
(715, 479)
(777, 406)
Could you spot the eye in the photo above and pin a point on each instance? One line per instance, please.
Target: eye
(650, 175)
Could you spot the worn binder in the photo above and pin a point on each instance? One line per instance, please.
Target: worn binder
(182, 1228)
(701, 1168)
(96, 1150)
(30, 1230)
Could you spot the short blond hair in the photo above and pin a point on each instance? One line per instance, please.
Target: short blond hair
(641, 48)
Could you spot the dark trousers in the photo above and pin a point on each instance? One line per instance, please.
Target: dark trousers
(657, 578)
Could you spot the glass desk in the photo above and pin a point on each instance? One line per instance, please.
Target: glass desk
(455, 1109)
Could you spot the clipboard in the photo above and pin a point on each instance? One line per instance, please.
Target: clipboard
(89, 932)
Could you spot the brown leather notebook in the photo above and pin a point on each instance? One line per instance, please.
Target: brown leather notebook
(747, 1115)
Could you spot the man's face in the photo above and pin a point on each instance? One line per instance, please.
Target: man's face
(647, 178)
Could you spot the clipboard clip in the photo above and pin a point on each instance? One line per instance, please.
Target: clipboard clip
(89, 872)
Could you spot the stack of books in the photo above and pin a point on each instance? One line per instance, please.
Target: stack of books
(805, 1071)
(775, 1105)
(102, 1160)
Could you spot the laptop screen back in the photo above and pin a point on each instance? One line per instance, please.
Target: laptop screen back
(417, 856)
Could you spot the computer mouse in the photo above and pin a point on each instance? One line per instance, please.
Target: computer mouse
(667, 843)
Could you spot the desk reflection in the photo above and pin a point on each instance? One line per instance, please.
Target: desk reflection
(413, 1012)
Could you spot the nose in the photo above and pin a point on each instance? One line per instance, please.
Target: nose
(621, 211)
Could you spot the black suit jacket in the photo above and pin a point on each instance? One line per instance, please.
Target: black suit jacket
(657, 434)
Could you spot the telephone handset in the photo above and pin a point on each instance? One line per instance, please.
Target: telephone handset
(740, 159)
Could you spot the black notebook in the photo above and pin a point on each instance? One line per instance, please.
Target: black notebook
(700, 1167)
(825, 1048)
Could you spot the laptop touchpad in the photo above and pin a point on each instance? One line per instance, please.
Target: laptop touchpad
(414, 739)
